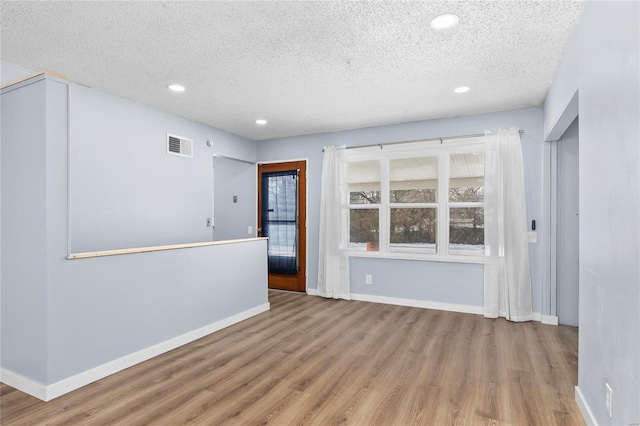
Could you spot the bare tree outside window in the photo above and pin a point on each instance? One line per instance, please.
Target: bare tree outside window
(364, 232)
(466, 196)
(364, 197)
(363, 179)
(413, 228)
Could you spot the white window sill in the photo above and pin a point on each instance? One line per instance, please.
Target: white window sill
(418, 256)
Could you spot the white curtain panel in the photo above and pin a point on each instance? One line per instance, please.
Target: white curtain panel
(333, 262)
(507, 278)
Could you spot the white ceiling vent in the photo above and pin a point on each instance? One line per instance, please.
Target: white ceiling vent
(177, 145)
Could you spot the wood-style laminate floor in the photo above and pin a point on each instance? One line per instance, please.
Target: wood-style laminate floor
(316, 361)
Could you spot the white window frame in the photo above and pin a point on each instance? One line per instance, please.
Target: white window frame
(385, 153)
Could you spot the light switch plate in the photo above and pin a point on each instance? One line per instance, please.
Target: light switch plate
(532, 236)
(608, 399)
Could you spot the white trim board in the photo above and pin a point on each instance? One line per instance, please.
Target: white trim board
(49, 392)
(545, 319)
(450, 307)
(586, 412)
(24, 384)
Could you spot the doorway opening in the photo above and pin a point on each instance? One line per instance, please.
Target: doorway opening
(567, 227)
(282, 217)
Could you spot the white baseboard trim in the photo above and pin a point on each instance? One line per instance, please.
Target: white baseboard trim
(587, 414)
(24, 384)
(451, 307)
(545, 319)
(47, 393)
(467, 309)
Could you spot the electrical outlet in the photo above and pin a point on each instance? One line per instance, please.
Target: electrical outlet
(608, 399)
(250, 230)
(368, 279)
(208, 222)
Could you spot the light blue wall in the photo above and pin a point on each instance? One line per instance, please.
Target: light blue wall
(411, 279)
(233, 219)
(24, 224)
(10, 72)
(104, 308)
(126, 191)
(62, 317)
(602, 63)
(445, 282)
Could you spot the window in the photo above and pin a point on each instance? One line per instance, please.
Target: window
(466, 212)
(417, 200)
(364, 186)
(413, 198)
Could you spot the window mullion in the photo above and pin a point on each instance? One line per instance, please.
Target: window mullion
(384, 205)
(466, 204)
(346, 225)
(443, 201)
(413, 205)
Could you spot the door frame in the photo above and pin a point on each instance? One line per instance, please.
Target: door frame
(306, 239)
(555, 224)
(550, 208)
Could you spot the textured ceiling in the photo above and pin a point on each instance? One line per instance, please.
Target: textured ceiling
(307, 67)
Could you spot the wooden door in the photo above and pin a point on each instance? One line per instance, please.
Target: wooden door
(282, 217)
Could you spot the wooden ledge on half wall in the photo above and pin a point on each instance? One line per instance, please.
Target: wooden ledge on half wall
(87, 255)
(30, 76)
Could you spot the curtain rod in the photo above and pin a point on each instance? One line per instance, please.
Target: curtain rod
(441, 139)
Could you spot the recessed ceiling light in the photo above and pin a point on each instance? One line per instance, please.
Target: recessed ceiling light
(176, 87)
(444, 21)
(261, 121)
(461, 89)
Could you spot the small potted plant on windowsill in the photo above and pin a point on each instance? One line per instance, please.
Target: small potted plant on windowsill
(373, 246)
(373, 241)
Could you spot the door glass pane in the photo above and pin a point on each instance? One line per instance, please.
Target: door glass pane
(466, 230)
(363, 180)
(413, 229)
(413, 180)
(466, 177)
(279, 220)
(364, 229)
